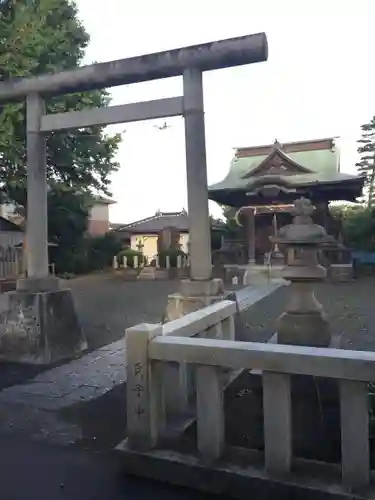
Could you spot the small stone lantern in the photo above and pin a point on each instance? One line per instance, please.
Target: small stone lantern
(304, 321)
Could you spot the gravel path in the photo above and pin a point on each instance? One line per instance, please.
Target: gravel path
(106, 305)
(350, 308)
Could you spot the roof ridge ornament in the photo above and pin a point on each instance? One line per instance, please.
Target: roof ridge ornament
(277, 145)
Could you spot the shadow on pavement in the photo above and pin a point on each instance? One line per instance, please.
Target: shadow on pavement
(31, 470)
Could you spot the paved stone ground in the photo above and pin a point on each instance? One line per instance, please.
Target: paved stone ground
(106, 306)
(32, 408)
(33, 405)
(95, 373)
(78, 381)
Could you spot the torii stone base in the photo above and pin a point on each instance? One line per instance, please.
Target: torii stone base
(193, 295)
(40, 327)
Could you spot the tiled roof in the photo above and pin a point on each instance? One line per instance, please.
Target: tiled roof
(8, 225)
(324, 163)
(156, 223)
(100, 200)
(319, 163)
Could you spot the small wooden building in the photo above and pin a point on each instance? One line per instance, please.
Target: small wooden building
(144, 234)
(11, 234)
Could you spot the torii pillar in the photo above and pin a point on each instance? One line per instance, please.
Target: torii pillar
(40, 325)
(200, 289)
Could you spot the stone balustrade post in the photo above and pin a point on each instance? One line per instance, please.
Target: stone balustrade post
(135, 262)
(144, 389)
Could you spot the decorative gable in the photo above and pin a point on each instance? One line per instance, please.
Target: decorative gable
(277, 163)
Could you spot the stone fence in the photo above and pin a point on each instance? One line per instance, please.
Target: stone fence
(122, 263)
(11, 265)
(139, 271)
(157, 357)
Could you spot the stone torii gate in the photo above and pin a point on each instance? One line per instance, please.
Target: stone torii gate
(190, 62)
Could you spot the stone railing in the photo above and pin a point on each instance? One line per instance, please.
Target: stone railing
(150, 348)
(176, 378)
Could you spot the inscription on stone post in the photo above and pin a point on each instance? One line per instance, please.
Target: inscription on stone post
(143, 396)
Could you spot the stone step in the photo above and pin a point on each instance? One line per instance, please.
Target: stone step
(8, 285)
(147, 273)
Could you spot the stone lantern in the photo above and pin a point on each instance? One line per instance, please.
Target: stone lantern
(304, 321)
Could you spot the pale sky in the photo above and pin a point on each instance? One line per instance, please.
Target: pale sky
(316, 83)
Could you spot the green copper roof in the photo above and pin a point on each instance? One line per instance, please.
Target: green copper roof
(320, 169)
(324, 162)
(293, 180)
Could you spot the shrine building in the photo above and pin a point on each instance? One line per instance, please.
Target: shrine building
(263, 182)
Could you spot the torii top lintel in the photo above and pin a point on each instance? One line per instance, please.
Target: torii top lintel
(208, 56)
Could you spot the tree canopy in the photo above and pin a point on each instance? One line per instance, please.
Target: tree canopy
(46, 36)
(43, 36)
(366, 165)
(67, 217)
(75, 252)
(359, 229)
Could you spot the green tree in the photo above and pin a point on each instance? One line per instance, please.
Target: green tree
(73, 250)
(68, 212)
(359, 229)
(67, 217)
(46, 36)
(366, 165)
